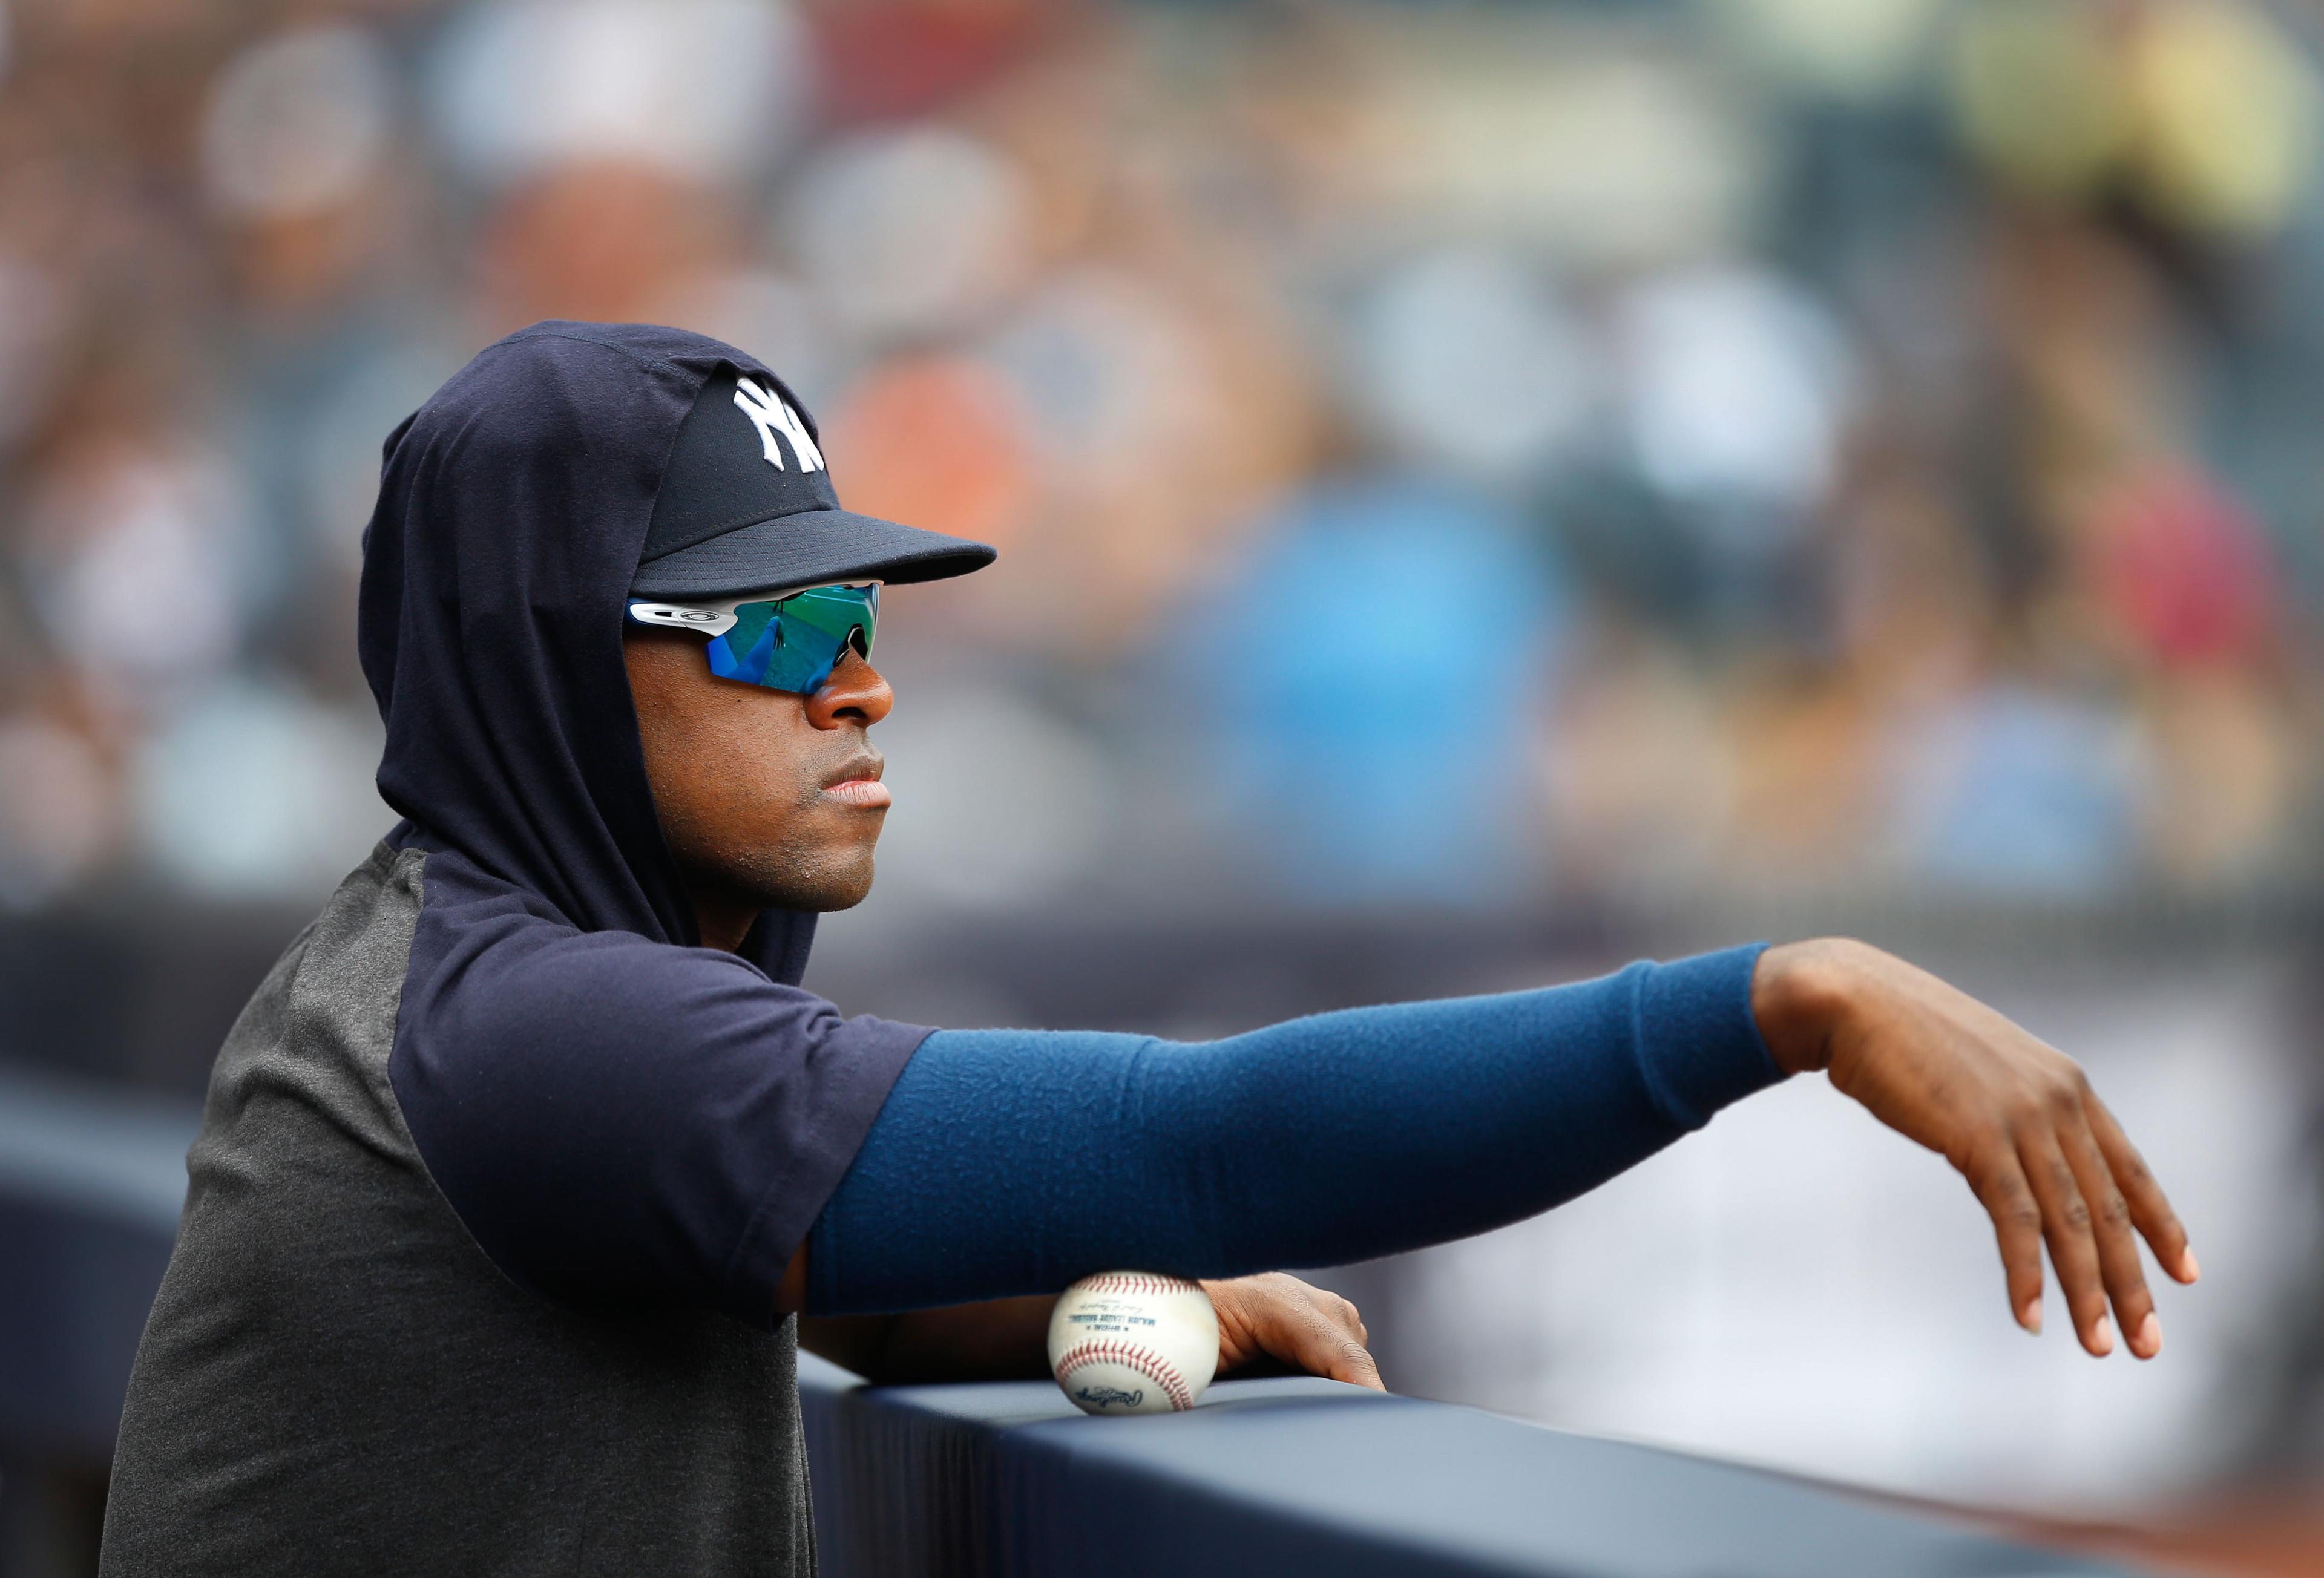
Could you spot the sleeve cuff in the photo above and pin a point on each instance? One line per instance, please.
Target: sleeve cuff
(864, 1070)
(1698, 1045)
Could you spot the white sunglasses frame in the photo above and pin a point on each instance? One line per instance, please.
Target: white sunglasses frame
(713, 619)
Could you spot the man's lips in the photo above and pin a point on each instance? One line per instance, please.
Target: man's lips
(858, 785)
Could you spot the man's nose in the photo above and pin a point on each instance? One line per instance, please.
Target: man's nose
(854, 693)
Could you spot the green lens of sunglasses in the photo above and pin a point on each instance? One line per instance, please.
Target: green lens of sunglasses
(793, 643)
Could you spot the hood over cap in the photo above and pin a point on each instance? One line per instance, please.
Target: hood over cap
(614, 1110)
(511, 510)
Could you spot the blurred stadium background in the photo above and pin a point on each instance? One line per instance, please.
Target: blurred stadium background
(1866, 453)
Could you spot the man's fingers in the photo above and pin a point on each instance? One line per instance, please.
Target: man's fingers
(1325, 1336)
(2117, 1246)
(1352, 1363)
(1303, 1326)
(2157, 1223)
(2066, 1227)
(1336, 1343)
(1999, 1183)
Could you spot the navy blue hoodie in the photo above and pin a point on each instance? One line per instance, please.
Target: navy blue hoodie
(555, 952)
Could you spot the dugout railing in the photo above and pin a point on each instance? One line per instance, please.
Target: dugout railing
(1300, 1475)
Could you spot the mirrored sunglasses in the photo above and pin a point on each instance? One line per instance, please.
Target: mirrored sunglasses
(790, 643)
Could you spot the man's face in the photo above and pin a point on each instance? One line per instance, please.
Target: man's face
(767, 800)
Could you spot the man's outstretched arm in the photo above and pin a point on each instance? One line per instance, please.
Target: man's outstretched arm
(1011, 1161)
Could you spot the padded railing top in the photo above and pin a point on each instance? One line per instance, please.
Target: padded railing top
(1305, 1475)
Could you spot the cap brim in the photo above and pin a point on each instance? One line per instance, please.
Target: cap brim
(811, 547)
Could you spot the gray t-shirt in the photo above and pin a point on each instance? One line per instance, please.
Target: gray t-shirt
(337, 1379)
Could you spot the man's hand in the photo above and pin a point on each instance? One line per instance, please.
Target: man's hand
(2016, 1117)
(1276, 1315)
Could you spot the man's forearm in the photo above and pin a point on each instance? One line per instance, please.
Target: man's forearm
(1273, 1319)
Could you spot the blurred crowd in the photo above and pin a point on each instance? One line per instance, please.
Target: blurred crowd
(1439, 452)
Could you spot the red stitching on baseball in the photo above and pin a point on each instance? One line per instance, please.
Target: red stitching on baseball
(1137, 1282)
(1129, 1356)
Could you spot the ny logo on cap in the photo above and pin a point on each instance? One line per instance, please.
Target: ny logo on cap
(769, 414)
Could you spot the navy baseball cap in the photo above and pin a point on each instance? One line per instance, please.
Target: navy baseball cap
(746, 504)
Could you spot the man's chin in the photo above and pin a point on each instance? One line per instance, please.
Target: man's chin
(834, 903)
(809, 882)
(825, 893)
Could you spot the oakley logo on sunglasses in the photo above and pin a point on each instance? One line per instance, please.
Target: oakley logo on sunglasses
(771, 415)
(710, 622)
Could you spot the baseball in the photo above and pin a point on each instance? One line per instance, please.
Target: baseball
(1133, 1342)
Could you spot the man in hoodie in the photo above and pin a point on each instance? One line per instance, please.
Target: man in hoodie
(520, 1161)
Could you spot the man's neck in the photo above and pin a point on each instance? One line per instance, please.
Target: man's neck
(724, 924)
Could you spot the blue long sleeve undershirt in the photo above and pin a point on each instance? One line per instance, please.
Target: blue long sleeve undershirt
(1014, 1161)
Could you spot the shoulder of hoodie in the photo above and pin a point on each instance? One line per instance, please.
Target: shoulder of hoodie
(481, 913)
